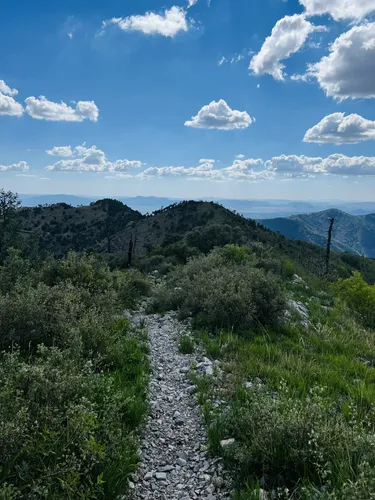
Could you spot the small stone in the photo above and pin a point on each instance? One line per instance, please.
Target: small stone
(131, 485)
(182, 462)
(148, 476)
(166, 468)
(161, 476)
(226, 442)
(218, 482)
(209, 371)
(191, 389)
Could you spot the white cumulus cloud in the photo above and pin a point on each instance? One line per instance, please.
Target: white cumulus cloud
(21, 166)
(4, 89)
(288, 36)
(171, 22)
(43, 109)
(349, 69)
(340, 129)
(218, 115)
(339, 9)
(204, 171)
(251, 169)
(8, 105)
(87, 159)
(60, 151)
(336, 164)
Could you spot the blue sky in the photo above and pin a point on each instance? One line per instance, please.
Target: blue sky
(154, 91)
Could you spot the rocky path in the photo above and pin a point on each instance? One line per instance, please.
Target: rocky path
(174, 461)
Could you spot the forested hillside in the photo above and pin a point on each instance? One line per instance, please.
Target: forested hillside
(61, 227)
(355, 234)
(111, 228)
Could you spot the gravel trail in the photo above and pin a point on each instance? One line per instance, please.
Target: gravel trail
(174, 461)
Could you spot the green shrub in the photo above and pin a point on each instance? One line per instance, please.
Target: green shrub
(359, 296)
(15, 269)
(50, 315)
(224, 295)
(86, 271)
(287, 268)
(130, 286)
(66, 431)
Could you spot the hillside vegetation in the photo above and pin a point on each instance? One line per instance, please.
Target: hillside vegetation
(175, 232)
(355, 234)
(289, 403)
(61, 227)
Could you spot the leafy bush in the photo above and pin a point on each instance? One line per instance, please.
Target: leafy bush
(72, 381)
(359, 296)
(14, 270)
(86, 271)
(130, 286)
(223, 294)
(66, 431)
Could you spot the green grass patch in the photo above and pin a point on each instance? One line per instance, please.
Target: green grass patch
(186, 344)
(306, 428)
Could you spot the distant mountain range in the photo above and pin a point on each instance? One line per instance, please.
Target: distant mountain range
(112, 228)
(252, 209)
(351, 233)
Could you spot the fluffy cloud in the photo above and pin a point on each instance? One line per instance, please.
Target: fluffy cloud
(287, 37)
(83, 159)
(21, 166)
(60, 151)
(168, 24)
(293, 164)
(340, 129)
(4, 89)
(218, 115)
(355, 165)
(335, 164)
(349, 70)
(243, 169)
(339, 9)
(43, 109)
(8, 105)
(204, 171)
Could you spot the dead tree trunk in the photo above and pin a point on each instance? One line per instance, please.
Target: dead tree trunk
(329, 243)
(131, 249)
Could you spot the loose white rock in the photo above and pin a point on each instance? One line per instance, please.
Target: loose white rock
(226, 442)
